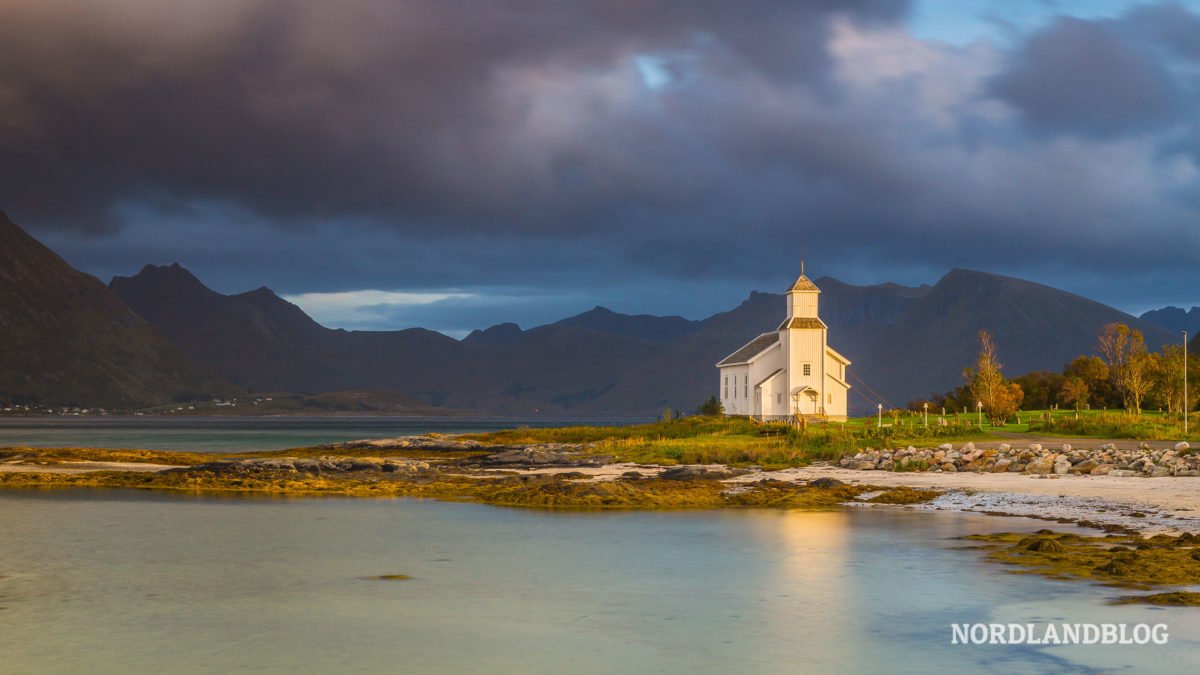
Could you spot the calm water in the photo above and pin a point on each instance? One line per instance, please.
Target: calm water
(233, 434)
(130, 582)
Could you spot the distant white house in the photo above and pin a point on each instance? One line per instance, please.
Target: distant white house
(790, 372)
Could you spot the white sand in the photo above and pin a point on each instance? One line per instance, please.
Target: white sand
(1166, 504)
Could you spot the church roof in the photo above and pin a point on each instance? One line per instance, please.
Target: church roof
(803, 284)
(752, 349)
(802, 322)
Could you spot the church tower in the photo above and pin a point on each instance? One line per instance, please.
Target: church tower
(802, 298)
(803, 337)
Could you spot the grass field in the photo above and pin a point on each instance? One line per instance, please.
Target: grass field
(733, 441)
(742, 442)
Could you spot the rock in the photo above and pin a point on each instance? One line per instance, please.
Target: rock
(544, 455)
(1016, 467)
(979, 465)
(694, 473)
(1035, 447)
(1123, 473)
(865, 466)
(1085, 466)
(281, 464)
(364, 465)
(1066, 448)
(1182, 445)
(1061, 467)
(1040, 467)
(1001, 465)
(1160, 472)
(826, 483)
(945, 447)
(309, 465)
(950, 468)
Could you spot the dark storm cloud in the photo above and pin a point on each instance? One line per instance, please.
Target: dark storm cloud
(516, 157)
(423, 112)
(1102, 78)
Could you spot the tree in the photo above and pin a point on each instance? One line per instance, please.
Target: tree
(1168, 378)
(1006, 403)
(1129, 366)
(1094, 373)
(711, 408)
(999, 397)
(1041, 389)
(1074, 392)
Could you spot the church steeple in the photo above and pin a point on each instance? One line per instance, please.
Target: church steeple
(802, 297)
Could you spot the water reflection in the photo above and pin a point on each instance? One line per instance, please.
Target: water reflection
(146, 582)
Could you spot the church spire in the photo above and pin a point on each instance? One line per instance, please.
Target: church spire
(803, 283)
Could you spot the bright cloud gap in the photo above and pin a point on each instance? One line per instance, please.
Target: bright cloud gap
(350, 309)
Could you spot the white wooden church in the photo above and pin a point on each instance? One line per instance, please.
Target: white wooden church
(790, 372)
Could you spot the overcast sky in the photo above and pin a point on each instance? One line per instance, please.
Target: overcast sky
(454, 163)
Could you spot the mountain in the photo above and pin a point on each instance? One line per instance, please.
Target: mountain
(68, 341)
(264, 343)
(1035, 327)
(642, 326)
(906, 342)
(1175, 319)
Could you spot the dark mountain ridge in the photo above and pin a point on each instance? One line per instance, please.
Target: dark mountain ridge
(68, 341)
(905, 342)
(72, 340)
(1175, 319)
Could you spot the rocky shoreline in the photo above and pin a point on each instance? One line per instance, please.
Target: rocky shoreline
(1106, 460)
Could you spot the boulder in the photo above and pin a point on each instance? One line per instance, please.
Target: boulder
(1061, 467)
(949, 468)
(1040, 467)
(1085, 466)
(694, 473)
(1001, 465)
(1182, 445)
(1102, 470)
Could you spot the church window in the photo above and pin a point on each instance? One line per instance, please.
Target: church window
(807, 369)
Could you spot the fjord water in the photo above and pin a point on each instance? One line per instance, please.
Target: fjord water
(132, 582)
(243, 434)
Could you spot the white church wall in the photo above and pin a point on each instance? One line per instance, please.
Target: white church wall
(736, 390)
